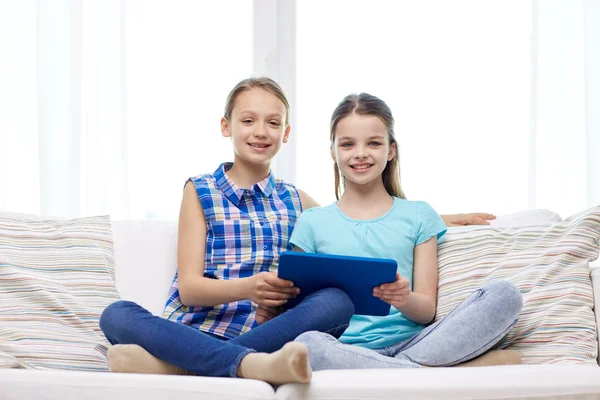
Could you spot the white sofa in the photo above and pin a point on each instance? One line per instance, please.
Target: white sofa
(145, 255)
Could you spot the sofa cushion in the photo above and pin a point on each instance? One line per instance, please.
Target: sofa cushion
(550, 266)
(56, 278)
(78, 385)
(523, 382)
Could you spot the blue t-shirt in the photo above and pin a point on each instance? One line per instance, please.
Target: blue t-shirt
(393, 235)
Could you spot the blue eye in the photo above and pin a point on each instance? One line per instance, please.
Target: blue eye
(347, 144)
(374, 144)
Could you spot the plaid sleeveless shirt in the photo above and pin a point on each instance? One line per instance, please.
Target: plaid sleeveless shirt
(247, 229)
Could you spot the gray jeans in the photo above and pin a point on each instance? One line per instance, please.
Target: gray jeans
(472, 328)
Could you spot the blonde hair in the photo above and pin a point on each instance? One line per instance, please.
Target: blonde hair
(366, 104)
(264, 83)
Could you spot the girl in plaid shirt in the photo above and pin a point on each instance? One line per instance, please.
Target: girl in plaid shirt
(233, 225)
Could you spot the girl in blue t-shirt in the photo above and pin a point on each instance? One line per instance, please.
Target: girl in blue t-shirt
(372, 218)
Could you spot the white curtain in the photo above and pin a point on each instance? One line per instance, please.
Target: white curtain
(496, 102)
(62, 108)
(19, 159)
(563, 108)
(112, 104)
(106, 107)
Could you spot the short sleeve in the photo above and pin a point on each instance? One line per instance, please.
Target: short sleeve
(428, 223)
(303, 234)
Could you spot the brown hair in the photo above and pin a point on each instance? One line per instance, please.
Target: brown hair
(366, 104)
(264, 83)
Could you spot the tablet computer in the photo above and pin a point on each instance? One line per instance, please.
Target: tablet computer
(357, 276)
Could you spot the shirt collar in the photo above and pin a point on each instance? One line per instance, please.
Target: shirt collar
(234, 192)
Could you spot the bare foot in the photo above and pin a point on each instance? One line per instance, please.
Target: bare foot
(288, 365)
(494, 357)
(135, 359)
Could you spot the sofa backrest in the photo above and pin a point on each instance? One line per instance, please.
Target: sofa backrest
(145, 261)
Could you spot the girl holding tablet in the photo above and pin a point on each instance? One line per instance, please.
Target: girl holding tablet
(372, 218)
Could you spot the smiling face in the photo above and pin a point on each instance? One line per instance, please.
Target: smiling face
(361, 148)
(257, 126)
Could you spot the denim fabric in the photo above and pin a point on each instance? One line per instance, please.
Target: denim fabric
(125, 322)
(472, 328)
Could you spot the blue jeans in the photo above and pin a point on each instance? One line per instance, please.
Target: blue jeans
(472, 328)
(125, 322)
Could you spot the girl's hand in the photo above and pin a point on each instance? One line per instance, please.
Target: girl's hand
(264, 314)
(467, 219)
(395, 293)
(267, 290)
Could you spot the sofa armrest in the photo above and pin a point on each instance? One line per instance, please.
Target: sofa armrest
(595, 276)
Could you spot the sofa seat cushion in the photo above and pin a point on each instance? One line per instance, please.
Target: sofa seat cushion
(67, 385)
(502, 382)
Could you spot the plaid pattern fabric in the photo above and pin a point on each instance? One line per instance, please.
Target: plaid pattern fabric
(247, 229)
